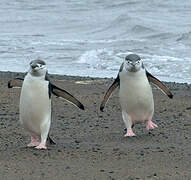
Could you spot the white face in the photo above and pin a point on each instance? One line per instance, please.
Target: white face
(38, 68)
(133, 66)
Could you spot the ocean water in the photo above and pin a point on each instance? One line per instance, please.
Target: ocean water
(91, 38)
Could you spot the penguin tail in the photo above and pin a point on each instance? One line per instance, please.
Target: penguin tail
(50, 140)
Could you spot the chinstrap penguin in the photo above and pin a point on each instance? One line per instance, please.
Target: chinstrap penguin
(35, 102)
(135, 93)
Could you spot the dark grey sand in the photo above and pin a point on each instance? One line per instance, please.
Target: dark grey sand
(91, 144)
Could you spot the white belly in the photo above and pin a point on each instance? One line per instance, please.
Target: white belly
(136, 96)
(35, 105)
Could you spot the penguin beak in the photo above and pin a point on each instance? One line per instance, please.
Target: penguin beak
(133, 65)
(133, 69)
(33, 66)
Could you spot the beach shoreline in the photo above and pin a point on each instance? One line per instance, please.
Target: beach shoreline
(90, 144)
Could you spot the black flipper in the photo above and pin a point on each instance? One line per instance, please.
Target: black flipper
(115, 84)
(158, 83)
(50, 140)
(64, 94)
(15, 83)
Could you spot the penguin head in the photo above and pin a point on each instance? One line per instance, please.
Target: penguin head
(38, 68)
(133, 63)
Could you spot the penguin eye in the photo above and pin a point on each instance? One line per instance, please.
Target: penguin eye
(138, 62)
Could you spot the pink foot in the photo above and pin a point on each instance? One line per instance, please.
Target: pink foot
(41, 146)
(150, 125)
(34, 142)
(130, 133)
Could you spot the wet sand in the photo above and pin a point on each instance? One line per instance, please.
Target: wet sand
(90, 145)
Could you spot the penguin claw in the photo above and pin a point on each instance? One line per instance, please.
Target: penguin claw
(130, 133)
(41, 146)
(151, 125)
(33, 144)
